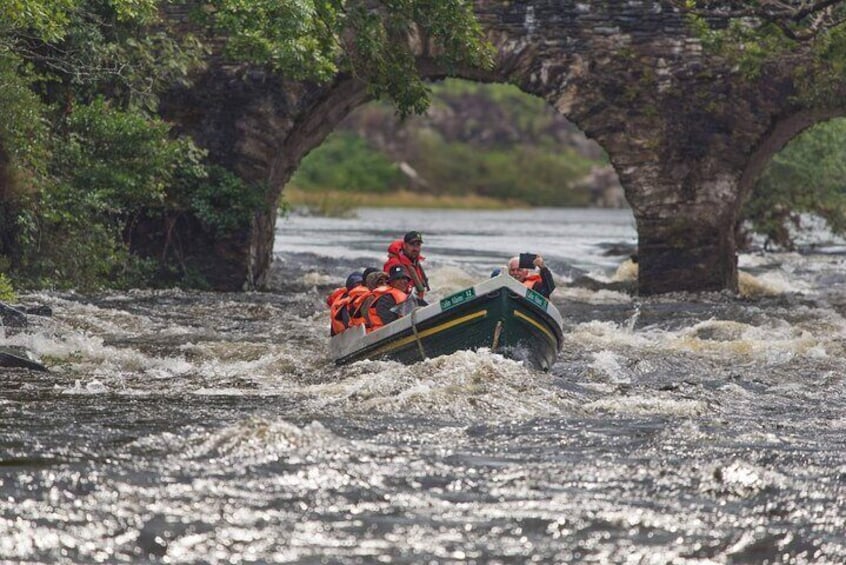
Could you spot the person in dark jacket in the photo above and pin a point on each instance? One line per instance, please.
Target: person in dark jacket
(383, 310)
(541, 282)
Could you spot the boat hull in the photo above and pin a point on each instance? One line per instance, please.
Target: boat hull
(500, 319)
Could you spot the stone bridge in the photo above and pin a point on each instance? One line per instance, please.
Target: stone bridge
(687, 133)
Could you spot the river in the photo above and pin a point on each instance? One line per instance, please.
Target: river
(178, 426)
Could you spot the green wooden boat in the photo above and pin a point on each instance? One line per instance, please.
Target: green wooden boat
(499, 314)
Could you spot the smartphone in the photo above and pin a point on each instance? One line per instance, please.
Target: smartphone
(527, 260)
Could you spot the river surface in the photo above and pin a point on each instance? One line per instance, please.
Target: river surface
(178, 426)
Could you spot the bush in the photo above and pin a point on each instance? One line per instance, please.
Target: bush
(222, 201)
(346, 162)
(107, 167)
(7, 293)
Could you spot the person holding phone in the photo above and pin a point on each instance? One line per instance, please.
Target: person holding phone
(541, 281)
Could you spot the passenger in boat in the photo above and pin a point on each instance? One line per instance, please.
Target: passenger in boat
(382, 309)
(339, 318)
(366, 273)
(405, 252)
(360, 304)
(541, 282)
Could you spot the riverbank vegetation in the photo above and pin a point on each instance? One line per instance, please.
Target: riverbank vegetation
(476, 144)
(84, 155)
(334, 203)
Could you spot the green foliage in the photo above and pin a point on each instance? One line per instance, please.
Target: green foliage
(224, 202)
(346, 162)
(110, 167)
(7, 292)
(524, 161)
(24, 131)
(522, 172)
(126, 61)
(88, 48)
(374, 41)
(807, 176)
(749, 47)
(107, 167)
(758, 34)
(45, 18)
(820, 83)
(76, 170)
(296, 37)
(115, 160)
(526, 173)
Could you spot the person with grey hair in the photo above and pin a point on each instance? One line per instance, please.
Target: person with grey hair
(541, 282)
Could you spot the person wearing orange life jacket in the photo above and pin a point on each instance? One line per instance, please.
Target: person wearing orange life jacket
(381, 309)
(406, 253)
(360, 304)
(541, 282)
(339, 318)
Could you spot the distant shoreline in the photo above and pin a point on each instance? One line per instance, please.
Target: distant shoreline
(340, 203)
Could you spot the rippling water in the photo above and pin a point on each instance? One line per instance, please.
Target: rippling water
(181, 427)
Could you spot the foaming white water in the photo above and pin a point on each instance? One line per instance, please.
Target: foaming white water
(313, 278)
(648, 405)
(466, 384)
(611, 335)
(608, 363)
(447, 280)
(771, 283)
(258, 440)
(588, 296)
(773, 342)
(740, 478)
(91, 387)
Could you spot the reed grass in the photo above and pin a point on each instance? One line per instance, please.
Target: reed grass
(339, 204)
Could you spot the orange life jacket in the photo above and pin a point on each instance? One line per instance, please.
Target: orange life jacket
(531, 280)
(417, 277)
(335, 295)
(354, 300)
(336, 302)
(373, 319)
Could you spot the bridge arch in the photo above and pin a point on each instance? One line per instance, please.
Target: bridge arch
(685, 131)
(778, 137)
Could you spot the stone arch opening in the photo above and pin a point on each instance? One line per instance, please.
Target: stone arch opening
(481, 139)
(778, 137)
(792, 177)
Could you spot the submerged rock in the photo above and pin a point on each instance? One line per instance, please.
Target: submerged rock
(14, 318)
(11, 316)
(13, 356)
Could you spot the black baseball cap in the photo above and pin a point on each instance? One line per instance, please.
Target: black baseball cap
(413, 236)
(398, 272)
